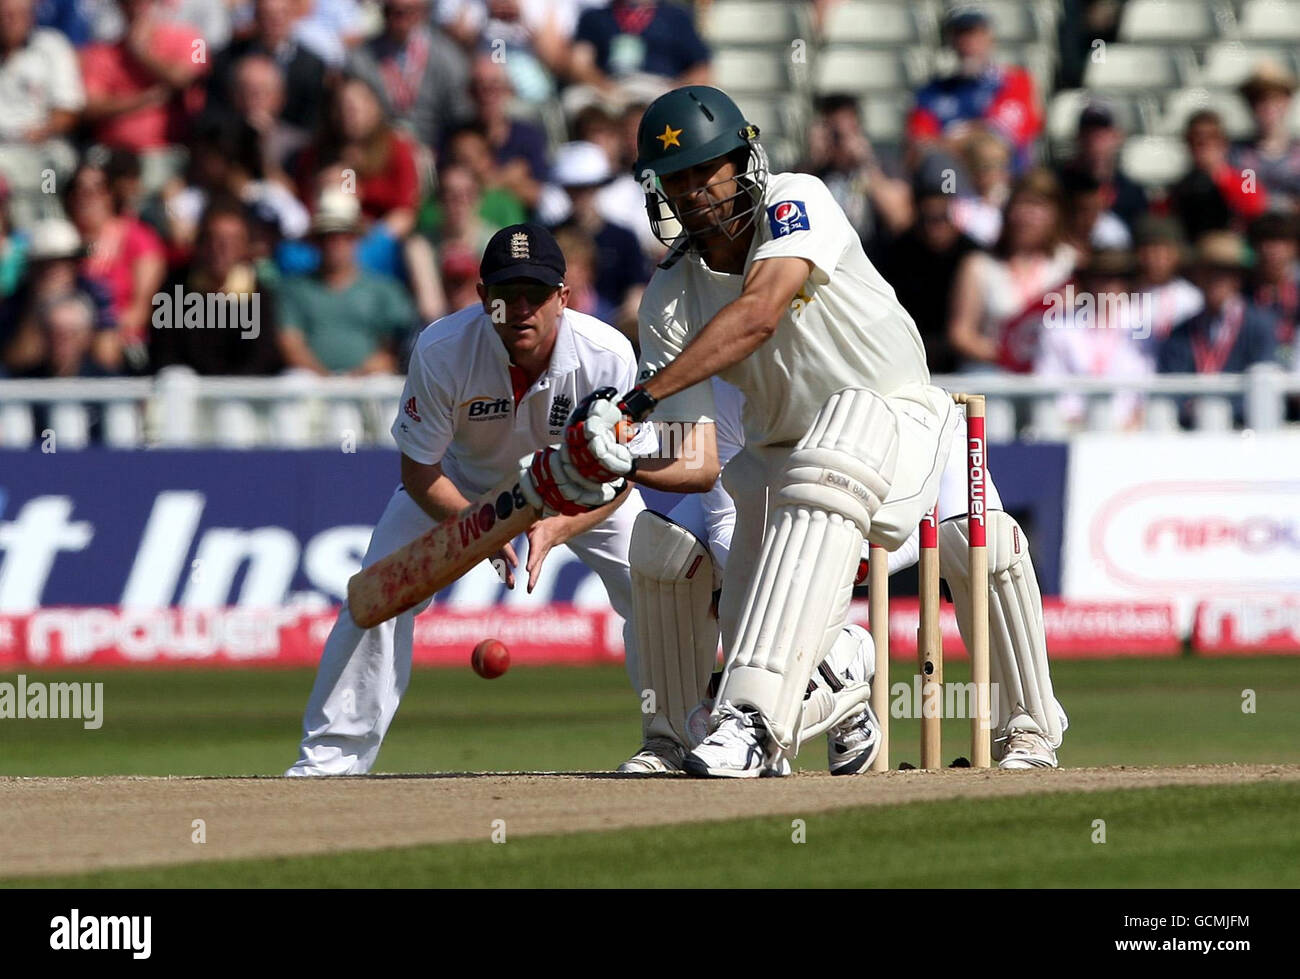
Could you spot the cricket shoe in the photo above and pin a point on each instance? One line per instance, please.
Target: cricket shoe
(737, 748)
(1025, 749)
(656, 757)
(697, 726)
(852, 745)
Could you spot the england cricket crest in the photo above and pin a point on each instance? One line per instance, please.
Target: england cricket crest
(561, 406)
(519, 245)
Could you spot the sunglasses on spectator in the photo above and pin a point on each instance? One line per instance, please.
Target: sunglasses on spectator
(533, 293)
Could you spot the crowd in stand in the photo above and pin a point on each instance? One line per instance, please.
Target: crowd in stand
(345, 162)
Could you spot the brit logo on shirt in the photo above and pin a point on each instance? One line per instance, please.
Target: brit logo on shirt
(412, 410)
(560, 408)
(787, 217)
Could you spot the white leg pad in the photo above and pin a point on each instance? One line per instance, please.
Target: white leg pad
(796, 604)
(677, 637)
(1018, 666)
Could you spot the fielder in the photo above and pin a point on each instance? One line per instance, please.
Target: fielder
(486, 386)
(1029, 722)
(768, 287)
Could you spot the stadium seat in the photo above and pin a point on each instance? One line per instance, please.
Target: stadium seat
(1154, 161)
(873, 23)
(884, 118)
(1132, 67)
(777, 117)
(1170, 22)
(1017, 22)
(858, 69)
(752, 70)
(1183, 102)
(770, 22)
(1270, 20)
(1228, 63)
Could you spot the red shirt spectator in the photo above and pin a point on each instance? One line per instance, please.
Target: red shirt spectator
(140, 91)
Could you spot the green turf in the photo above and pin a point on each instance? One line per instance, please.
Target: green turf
(1131, 712)
(1223, 836)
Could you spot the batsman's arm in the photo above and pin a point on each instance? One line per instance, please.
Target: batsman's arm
(738, 329)
(686, 465)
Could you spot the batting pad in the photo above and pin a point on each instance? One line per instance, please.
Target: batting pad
(798, 599)
(1018, 666)
(677, 638)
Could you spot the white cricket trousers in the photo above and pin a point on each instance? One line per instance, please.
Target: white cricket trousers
(363, 673)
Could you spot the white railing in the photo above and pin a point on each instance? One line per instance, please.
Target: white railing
(179, 408)
(1031, 406)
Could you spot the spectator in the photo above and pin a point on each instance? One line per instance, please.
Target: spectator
(1275, 285)
(979, 215)
(518, 147)
(71, 18)
(1096, 155)
(1213, 195)
(360, 145)
(922, 267)
(531, 37)
(1100, 336)
(1089, 225)
(468, 147)
(257, 97)
(422, 74)
(619, 267)
(305, 75)
(981, 92)
(581, 272)
(226, 158)
(998, 298)
(343, 320)
(54, 257)
(66, 325)
(125, 185)
(121, 251)
(1230, 334)
(878, 205)
(41, 96)
(631, 37)
(459, 221)
(1274, 154)
(223, 264)
(459, 269)
(1160, 250)
(141, 91)
(622, 198)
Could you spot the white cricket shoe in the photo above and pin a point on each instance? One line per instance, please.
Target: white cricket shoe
(656, 757)
(852, 745)
(1025, 749)
(737, 748)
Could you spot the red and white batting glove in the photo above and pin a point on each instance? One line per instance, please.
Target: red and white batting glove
(555, 488)
(592, 443)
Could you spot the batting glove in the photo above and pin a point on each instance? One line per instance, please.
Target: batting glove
(592, 443)
(555, 488)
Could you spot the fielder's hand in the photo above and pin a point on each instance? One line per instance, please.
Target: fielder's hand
(594, 441)
(549, 483)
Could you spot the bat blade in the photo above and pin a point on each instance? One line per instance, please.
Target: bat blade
(439, 557)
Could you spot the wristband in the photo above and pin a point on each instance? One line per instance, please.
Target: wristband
(638, 403)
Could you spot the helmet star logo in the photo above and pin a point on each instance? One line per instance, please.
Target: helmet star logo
(669, 136)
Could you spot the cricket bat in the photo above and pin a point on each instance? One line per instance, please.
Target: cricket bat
(434, 560)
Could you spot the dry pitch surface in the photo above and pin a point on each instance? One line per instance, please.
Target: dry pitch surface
(69, 825)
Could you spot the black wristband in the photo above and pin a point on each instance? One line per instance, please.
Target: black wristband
(638, 403)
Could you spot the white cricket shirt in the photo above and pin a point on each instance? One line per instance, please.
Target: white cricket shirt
(458, 407)
(845, 328)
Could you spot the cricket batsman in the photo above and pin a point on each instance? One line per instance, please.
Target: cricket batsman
(677, 635)
(767, 286)
(486, 386)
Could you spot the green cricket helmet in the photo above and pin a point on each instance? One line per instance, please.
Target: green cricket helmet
(684, 128)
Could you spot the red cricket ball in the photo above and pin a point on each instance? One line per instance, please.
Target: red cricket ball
(491, 659)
